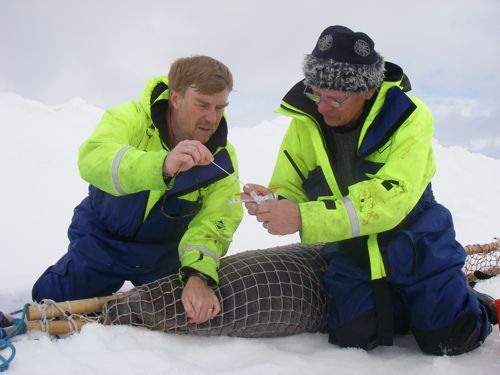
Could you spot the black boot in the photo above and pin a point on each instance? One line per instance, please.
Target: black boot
(489, 304)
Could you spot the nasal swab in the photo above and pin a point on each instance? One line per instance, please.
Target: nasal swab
(255, 197)
(229, 174)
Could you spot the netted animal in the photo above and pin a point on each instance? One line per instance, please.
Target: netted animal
(263, 293)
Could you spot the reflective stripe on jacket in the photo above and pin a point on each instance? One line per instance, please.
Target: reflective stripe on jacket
(395, 164)
(123, 162)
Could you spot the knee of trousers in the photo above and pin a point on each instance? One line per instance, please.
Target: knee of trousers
(361, 332)
(464, 335)
(48, 286)
(74, 277)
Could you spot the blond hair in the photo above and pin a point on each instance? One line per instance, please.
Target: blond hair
(206, 74)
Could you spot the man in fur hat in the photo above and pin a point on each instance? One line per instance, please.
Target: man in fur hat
(354, 171)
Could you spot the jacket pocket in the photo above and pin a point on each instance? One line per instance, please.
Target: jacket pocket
(425, 248)
(315, 185)
(401, 255)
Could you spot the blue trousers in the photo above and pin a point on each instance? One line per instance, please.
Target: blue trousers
(92, 269)
(100, 257)
(426, 290)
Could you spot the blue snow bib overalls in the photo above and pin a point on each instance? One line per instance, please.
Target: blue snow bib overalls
(425, 290)
(112, 241)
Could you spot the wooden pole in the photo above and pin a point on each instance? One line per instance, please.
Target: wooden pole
(484, 248)
(53, 310)
(54, 327)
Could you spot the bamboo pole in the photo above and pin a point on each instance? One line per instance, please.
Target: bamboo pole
(53, 310)
(484, 248)
(55, 327)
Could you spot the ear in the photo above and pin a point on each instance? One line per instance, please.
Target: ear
(369, 94)
(174, 99)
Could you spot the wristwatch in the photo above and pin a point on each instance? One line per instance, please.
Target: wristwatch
(187, 272)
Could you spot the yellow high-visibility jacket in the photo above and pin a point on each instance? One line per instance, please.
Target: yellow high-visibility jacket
(123, 162)
(395, 164)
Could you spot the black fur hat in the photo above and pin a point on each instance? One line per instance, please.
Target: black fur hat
(344, 60)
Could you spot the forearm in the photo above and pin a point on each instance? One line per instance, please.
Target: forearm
(210, 233)
(119, 158)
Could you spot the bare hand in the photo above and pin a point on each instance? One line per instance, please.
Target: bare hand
(278, 216)
(247, 190)
(200, 302)
(185, 155)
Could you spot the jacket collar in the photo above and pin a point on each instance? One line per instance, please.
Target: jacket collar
(296, 98)
(388, 116)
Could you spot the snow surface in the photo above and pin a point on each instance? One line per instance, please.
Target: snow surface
(40, 187)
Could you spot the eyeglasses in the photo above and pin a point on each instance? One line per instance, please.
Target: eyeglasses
(331, 102)
(182, 209)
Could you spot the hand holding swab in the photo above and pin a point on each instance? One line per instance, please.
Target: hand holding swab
(257, 198)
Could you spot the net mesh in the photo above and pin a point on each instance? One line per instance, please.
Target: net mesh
(271, 292)
(263, 293)
(482, 260)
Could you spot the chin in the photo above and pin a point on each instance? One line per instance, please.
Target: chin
(203, 139)
(333, 123)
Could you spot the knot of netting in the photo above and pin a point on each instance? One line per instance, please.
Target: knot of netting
(46, 310)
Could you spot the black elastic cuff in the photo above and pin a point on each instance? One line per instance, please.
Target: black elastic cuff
(187, 272)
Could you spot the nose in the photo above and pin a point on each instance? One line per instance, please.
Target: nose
(211, 116)
(323, 107)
